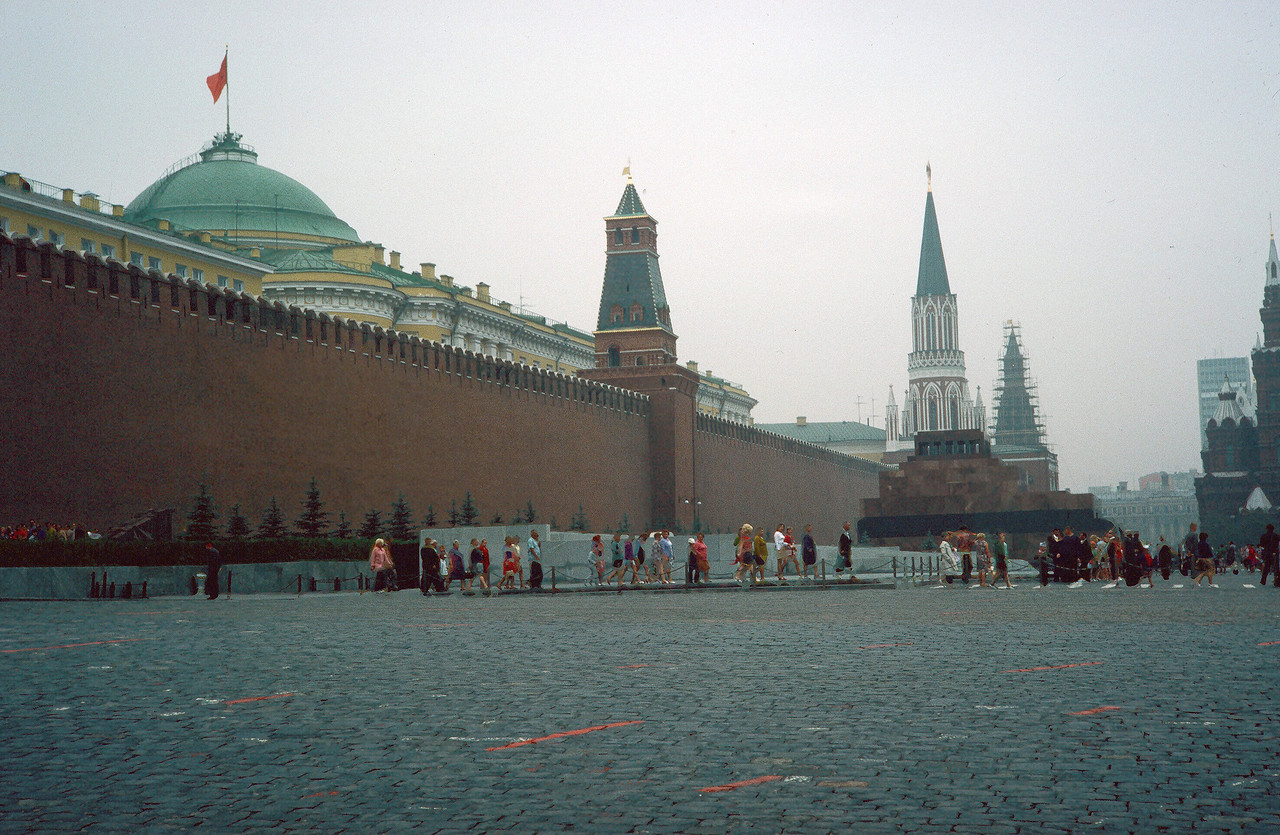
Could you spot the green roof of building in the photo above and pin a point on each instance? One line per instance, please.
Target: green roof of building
(630, 205)
(932, 280)
(825, 433)
(284, 262)
(227, 190)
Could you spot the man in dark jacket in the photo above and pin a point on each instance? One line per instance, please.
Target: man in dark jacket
(809, 552)
(1269, 544)
(213, 564)
(1049, 559)
(846, 551)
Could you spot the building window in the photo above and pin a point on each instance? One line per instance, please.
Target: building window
(635, 235)
(615, 314)
(153, 263)
(57, 238)
(238, 285)
(615, 356)
(198, 275)
(108, 251)
(617, 236)
(637, 313)
(181, 270)
(222, 281)
(135, 258)
(86, 245)
(639, 360)
(33, 233)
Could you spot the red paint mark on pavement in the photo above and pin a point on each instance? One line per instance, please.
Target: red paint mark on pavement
(1057, 667)
(139, 613)
(1268, 643)
(427, 625)
(1093, 710)
(318, 794)
(563, 734)
(754, 781)
(882, 646)
(258, 699)
(70, 646)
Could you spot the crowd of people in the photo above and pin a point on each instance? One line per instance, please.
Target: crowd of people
(647, 558)
(31, 531)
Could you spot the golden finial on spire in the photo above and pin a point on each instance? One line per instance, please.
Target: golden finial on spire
(626, 172)
(928, 175)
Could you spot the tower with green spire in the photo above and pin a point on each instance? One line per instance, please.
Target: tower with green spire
(937, 396)
(634, 324)
(1017, 435)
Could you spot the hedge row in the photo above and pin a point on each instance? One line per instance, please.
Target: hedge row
(85, 552)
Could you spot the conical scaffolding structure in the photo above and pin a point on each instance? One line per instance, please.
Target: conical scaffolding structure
(1016, 424)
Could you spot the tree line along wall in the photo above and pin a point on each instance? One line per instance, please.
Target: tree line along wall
(122, 390)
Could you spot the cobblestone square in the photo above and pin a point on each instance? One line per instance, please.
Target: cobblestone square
(804, 710)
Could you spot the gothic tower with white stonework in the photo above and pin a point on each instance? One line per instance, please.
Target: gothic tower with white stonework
(937, 396)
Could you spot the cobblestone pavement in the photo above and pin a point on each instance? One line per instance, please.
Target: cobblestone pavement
(864, 710)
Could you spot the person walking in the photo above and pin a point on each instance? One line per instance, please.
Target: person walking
(780, 552)
(619, 566)
(484, 563)
(666, 552)
(964, 545)
(1204, 561)
(478, 569)
(808, 554)
(457, 567)
(213, 564)
(534, 546)
(382, 567)
(982, 553)
(1165, 557)
(596, 556)
(744, 550)
(760, 556)
(696, 570)
(1269, 545)
(509, 560)
(1049, 559)
(430, 568)
(845, 549)
(1002, 561)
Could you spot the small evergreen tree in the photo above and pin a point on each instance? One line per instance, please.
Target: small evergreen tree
(624, 525)
(516, 518)
(372, 527)
(496, 520)
(343, 531)
(272, 526)
(429, 521)
(469, 512)
(314, 520)
(454, 518)
(401, 522)
(579, 522)
(200, 525)
(552, 524)
(237, 525)
(530, 515)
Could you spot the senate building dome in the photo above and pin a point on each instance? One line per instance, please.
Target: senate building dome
(224, 191)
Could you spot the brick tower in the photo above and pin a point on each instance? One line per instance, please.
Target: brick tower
(636, 350)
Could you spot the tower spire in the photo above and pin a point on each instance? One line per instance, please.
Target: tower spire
(928, 176)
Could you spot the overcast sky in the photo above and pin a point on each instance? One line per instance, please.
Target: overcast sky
(1103, 173)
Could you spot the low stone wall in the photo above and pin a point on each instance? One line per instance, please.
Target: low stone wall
(73, 583)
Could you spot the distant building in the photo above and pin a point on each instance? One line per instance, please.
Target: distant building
(937, 395)
(1017, 435)
(1163, 505)
(1209, 376)
(849, 437)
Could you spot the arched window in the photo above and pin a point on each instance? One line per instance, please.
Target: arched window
(1273, 270)
(637, 312)
(955, 413)
(615, 356)
(617, 236)
(615, 314)
(635, 235)
(639, 360)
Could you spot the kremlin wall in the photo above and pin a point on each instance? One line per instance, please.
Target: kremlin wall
(124, 389)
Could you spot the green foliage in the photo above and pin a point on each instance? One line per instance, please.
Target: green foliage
(272, 525)
(624, 525)
(314, 520)
(530, 515)
(469, 512)
(200, 522)
(496, 520)
(237, 525)
(454, 518)
(579, 522)
(401, 523)
(429, 521)
(517, 518)
(372, 527)
(552, 524)
(343, 531)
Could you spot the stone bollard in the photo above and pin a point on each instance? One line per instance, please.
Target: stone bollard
(895, 568)
(192, 587)
(311, 584)
(112, 592)
(93, 585)
(128, 590)
(553, 578)
(337, 584)
(144, 589)
(299, 584)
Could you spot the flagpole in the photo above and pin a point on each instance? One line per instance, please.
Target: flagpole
(224, 58)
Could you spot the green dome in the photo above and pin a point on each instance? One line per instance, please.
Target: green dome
(227, 190)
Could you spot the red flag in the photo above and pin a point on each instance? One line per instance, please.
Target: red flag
(218, 81)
